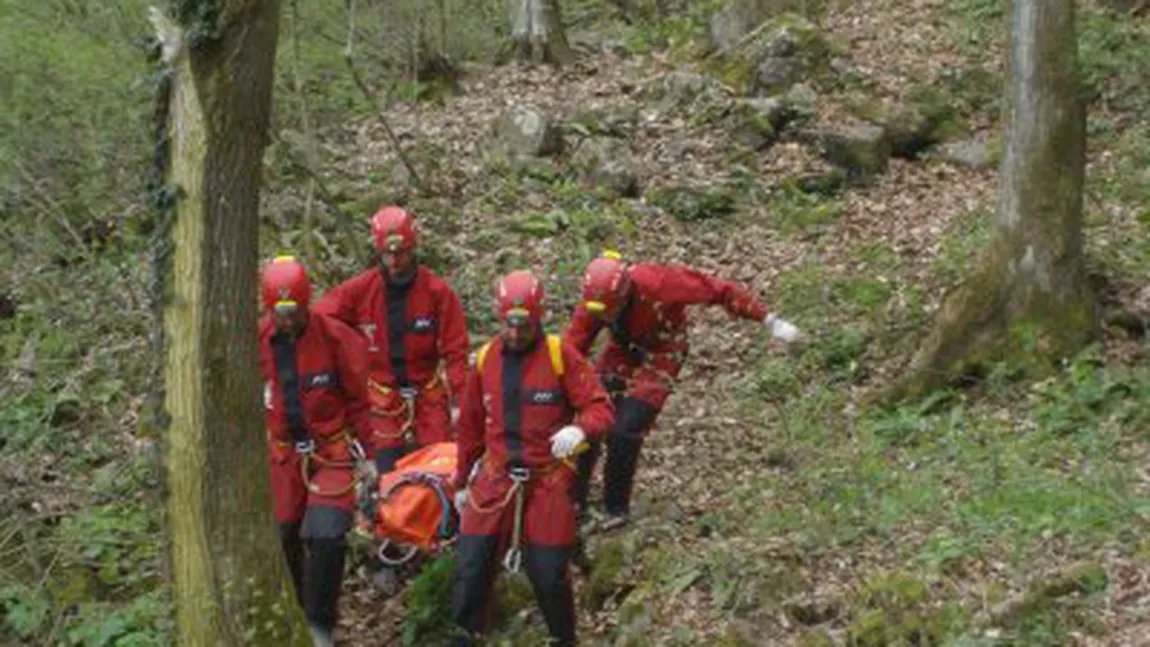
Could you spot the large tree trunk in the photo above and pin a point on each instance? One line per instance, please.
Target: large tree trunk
(1029, 301)
(537, 31)
(231, 586)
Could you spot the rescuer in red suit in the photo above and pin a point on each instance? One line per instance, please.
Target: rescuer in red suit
(644, 309)
(530, 403)
(315, 372)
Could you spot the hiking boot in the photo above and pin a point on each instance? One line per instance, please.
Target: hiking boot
(320, 636)
(614, 521)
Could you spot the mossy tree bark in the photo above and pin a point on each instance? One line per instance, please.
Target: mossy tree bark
(537, 31)
(1029, 301)
(230, 583)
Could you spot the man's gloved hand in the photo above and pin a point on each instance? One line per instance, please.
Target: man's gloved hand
(564, 442)
(461, 497)
(782, 329)
(454, 415)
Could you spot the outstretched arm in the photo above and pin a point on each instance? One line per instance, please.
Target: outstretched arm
(684, 285)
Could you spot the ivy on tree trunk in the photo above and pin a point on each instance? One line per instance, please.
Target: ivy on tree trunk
(230, 583)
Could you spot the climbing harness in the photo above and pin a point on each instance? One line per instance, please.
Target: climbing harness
(513, 559)
(404, 408)
(307, 452)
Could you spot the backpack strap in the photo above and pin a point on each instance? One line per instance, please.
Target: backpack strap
(554, 349)
(481, 354)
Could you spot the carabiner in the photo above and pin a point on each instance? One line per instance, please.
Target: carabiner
(513, 559)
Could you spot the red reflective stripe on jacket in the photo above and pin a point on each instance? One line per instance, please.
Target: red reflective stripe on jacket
(436, 329)
(482, 426)
(333, 378)
(657, 319)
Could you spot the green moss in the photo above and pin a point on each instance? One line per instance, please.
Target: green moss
(607, 564)
(203, 20)
(810, 54)
(689, 203)
(897, 610)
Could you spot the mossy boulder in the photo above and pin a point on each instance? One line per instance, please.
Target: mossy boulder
(757, 122)
(861, 149)
(525, 131)
(981, 150)
(924, 119)
(682, 90)
(729, 25)
(616, 120)
(607, 163)
(785, 50)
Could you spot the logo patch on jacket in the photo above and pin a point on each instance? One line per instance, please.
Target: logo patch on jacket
(423, 324)
(320, 380)
(545, 397)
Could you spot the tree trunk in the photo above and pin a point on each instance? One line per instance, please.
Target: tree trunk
(1029, 301)
(230, 583)
(537, 31)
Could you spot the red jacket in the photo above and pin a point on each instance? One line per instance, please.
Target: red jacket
(331, 372)
(656, 317)
(515, 402)
(424, 323)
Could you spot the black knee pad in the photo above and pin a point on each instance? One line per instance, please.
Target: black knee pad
(323, 522)
(632, 418)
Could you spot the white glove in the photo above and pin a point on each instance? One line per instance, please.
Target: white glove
(454, 415)
(461, 500)
(782, 329)
(564, 442)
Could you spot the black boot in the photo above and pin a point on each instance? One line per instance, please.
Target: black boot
(324, 529)
(619, 478)
(324, 580)
(293, 553)
(624, 441)
(585, 469)
(474, 577)
(547, 569)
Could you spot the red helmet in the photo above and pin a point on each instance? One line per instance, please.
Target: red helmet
(605, 283)
(285, 282)
(393, 229)
(519, 294)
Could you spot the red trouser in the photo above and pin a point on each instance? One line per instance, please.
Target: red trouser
(335, 483)
(638, 391)
(548, 509)
(548, 535)
(318, 516)
(425, 417)
(651, 380)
